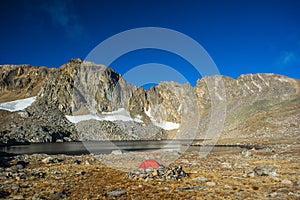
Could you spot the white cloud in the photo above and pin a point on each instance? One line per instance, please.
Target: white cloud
(290, 58)
(63, 14)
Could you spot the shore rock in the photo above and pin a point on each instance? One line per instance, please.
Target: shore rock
(161, 173)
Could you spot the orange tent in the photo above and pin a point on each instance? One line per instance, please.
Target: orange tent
(149, 164)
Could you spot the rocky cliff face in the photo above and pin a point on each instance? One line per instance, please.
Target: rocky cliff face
(100, 89)
(163, 102)
(21, 81)
(250, 105)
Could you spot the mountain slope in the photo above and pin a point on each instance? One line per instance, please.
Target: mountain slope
(259, 108)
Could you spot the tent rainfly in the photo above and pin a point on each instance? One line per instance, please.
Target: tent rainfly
(149, 164)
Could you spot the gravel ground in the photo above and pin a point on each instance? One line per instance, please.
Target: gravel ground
(269, 173)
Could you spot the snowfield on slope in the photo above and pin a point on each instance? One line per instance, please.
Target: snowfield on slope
(118, 115)
(17, 105)
(163, 124)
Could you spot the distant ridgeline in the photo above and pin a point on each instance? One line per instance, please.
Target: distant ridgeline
(87, 101)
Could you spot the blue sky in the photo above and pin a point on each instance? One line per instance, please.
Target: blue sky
(240, 36)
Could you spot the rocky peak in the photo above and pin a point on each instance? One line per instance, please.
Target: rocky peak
(71, 67)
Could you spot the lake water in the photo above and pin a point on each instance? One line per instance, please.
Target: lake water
(97, 147)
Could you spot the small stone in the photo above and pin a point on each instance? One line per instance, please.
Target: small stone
(149, 170)
(254, 187)
(248, 174)
(48, 160)
(294, 194)
(59, 195)
(200, 179)
(155, 173)
(283, 190)
(256, 181)
(15, 186)
(81, 173)
(116, 192)
(23, 163)
(246, 153)
(117, 152)
(241, 164)
(23, 114)
(17, 167)
(286, 181)
(37, 198)
(210, 183)
(226, 165)
(17, 197)
(8, 169)
(275, 195)
(298, 183)
(21, 176)
(275, 178)
(8, 174)
(185, 189)
(77, 162)
(265, 171)
(57, 172)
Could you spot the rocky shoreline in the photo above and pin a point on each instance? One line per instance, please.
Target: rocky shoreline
(269, 173)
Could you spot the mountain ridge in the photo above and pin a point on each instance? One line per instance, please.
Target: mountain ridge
(79, 87)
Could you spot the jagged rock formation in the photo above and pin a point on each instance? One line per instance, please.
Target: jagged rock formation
(163, 102)
(21, 81)
(259, 104)
(100, 89)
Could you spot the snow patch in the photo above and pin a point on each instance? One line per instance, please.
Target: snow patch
(283, 80)
(148, 112)
(164, 124)
(247, 86)
(219, 96)
(179, 108)
(79, 118)
(258, 86)
(17, 105)
(118, 115)
(263, 80)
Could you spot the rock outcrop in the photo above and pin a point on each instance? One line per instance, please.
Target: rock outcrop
(21, 81)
